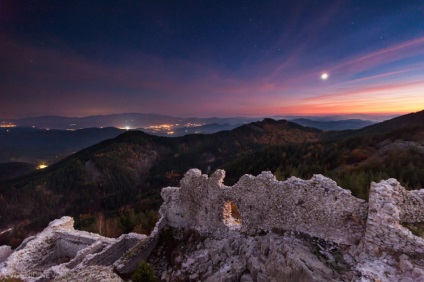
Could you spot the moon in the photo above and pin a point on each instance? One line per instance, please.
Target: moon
(324, 76)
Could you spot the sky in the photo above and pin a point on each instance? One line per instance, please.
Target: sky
(211, 58)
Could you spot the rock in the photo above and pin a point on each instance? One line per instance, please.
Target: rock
(237, 267)
(417, 273)
(203, 267)
(253, 266)
(5, 252)
(405, 265)
(246, 278)
(261, 277)
(92, 274)
(403, 257)
(205, 204)
(194, 277)
(217, 258)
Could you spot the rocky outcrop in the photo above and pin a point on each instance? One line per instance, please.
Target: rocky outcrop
(390, 206)
(370, 242)
(317, 207)
(239, 257)
(390, 251)
(61, 251)
(399, 145)
(260, 229)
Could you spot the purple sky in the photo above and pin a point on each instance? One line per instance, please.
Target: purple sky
(211, 58)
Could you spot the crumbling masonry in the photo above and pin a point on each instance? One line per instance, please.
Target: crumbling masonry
(255, 205)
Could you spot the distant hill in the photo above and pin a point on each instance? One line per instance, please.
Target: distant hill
(37, 145)
(130, 169)
(143, 121)
(203, 129)
(130, 120)
(34, 145)
(354, 158)
(114, 120)
(408, 120)
(334, 125)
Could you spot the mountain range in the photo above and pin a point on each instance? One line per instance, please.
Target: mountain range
(144, 121)
(126, 120)
(46, 146)
(122, 177)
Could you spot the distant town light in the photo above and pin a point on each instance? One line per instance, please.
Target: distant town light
(7, 125)
(41, 166)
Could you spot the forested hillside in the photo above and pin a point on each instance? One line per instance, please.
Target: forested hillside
(353, 162)
(120, 179)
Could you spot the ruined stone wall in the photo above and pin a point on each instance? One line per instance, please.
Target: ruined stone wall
(411, 205)
(317, 207)
(197, 205)
(374, 232)
(390, 205)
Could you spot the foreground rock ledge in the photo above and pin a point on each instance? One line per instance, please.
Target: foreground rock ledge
(260, 229)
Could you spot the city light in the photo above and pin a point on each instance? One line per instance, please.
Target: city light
(7, 125)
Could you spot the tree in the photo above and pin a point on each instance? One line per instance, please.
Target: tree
(144, 273)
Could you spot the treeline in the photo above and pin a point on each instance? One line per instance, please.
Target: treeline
(352, 163)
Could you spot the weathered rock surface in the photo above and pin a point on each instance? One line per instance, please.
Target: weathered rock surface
(317, 207)
(260, 229)
(387, 146)
(59, 250)
(270, 257)
(93, 273)
(5, 252)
